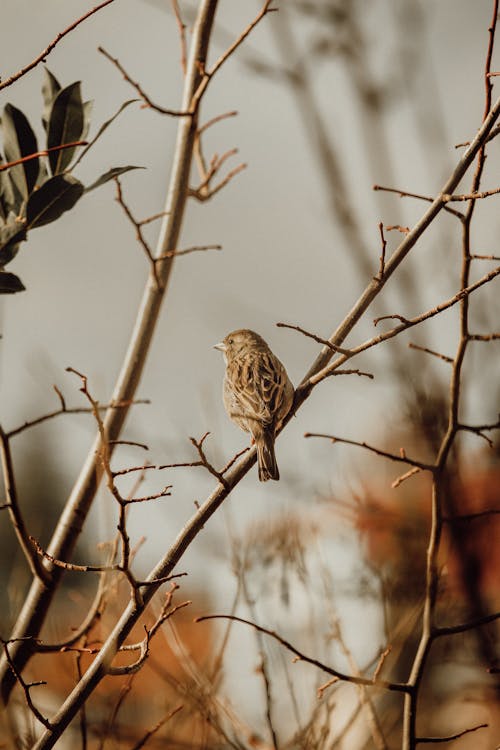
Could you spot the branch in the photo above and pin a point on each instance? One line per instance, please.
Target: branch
(418, 196)
(73, 410)
(400, 687)
(320, 340)
(156, 727)
(431, 351)
(403, 458)
(26, 686)
(43, 55)
(450, 737)
(37, 601)
(182, 35)
(320, 375)
(471, 196)
(145, 98)
(12, 505)
(37, 154)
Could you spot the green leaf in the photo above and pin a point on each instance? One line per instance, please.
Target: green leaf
(50, 89)
(10, 283)
(19, 140)
(110, 175)
(53, 198)
(11, 235)
(66, 125)
(104, 127)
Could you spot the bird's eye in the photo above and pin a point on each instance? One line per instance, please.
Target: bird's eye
(230, 341)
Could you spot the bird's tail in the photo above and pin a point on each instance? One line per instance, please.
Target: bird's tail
(266, 457)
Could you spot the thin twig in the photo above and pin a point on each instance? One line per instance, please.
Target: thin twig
(385, 454)
(470, 196)
(418, 196)
(145, 98)
(26, 686)
(37, 154)
(182, 35)
(450, 737)
(314, 336)
(380, 275)
(400, 687)
(431, 351)
(43, 55)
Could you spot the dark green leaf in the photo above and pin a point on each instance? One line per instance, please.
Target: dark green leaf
(50, 89)
(10, 283)
(103, 127)
(11, 235)
(19, 140)
(53, 198)
(65, 126)
(110, 175)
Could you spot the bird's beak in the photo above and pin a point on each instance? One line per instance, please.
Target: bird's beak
(220, 346)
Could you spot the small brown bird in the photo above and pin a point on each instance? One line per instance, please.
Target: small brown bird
(257, 393)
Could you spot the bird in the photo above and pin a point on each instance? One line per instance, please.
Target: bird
(257, 393)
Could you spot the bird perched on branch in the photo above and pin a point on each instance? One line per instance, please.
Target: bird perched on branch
(257, 393)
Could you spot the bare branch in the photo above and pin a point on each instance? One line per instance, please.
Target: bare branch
(382, 255)
(400, 687)
(182, 35)
(471, 196)
(314, 336)
(403, 458)
(43, 55)
(450, 737)
(37, 154)
(26, 686)
(430, 351)
(156, 727)
(404, 477)
(418, 196)
(145, 98)
(12, 505)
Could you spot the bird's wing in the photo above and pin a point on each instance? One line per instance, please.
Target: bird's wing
(258, 384)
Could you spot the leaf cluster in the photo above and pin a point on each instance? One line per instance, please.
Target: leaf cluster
(37, 186)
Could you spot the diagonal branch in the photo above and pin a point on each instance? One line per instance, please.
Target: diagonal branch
(400, 687)
(43, 55)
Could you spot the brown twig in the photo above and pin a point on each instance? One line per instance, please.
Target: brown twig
(150, 733)
(399, 228)
(188, 250)
(380, 274)
(314, 336)
(145, 98)
(182, 35)
(395, 484)
(318, 376)
(26, 687)
(418, 196)
(470, 196)
(484, 336)
(450, 737)
(431, 351)
(400, 687)
(37, 154)
(16, 517)
(215, 120)
(43, 55)
(385, 454)
(71, 410)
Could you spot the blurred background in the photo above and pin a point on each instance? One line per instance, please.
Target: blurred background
(332, 96)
